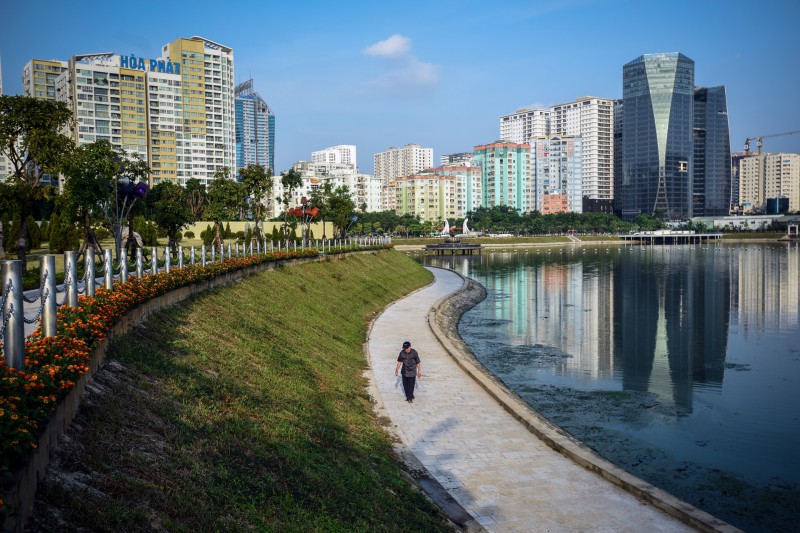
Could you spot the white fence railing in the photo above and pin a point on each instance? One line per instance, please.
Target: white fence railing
(12, 328)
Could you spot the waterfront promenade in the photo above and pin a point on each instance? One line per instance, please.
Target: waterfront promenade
(491, 464)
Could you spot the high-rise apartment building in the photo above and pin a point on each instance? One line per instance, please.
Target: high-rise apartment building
(400, 162)
(505, 175)
(767, 176)
(467, 193)
(176, 112)
(39, 78)
(711, 170)
(424, 195)
(556, 165)
(344, 153)
(255, 128)
(592, 119)
(108, 102)
(657, 136)
(617, 203)
(208, 104)
(522, 124)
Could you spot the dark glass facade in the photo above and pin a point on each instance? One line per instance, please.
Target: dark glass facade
(712, 153)
(657, 136)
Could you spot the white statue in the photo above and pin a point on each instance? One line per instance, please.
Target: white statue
(465, 230)
(446, 229)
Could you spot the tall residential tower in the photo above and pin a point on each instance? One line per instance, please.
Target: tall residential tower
(255, 128)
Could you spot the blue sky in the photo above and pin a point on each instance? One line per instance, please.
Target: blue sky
(437, 73)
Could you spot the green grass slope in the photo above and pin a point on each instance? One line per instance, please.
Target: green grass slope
(245, 409)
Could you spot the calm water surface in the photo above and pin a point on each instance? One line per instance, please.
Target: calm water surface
(680, 363)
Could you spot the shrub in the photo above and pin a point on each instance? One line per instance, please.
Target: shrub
(189, 235)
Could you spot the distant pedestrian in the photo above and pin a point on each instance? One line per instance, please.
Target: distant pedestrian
(412, 369)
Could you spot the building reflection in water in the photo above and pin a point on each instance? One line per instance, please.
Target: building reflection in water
(655, 319)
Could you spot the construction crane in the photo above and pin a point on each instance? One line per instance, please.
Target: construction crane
(759, 140)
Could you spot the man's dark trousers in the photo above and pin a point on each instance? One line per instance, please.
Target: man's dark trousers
(408, 386)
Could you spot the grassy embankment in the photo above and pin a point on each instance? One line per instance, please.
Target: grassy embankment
(244, 409)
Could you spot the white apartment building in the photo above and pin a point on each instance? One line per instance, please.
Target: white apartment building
(107, 102)
(592, 119)
(522, 124)
(400, 162)
(344, 153)
(165, 126)
(767, 176)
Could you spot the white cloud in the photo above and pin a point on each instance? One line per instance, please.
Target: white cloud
(413, 75)
(407, 74)
(394, 46)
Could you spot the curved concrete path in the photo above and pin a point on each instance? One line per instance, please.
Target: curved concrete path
(505, 477)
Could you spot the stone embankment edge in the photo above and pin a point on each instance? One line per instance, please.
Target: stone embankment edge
(419, 475)
(443, 320)
(20, 490)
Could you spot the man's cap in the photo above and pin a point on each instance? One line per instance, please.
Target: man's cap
(406, 345)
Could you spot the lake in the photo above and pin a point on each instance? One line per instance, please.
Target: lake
(679, 363)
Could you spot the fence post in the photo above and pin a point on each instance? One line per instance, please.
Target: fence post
(295, 246)
(71, 281)
(48, 268)
(108, 269)
(154, 264)
(180, 256)
(213, 253)
(13, 315)
(123, 267)
(167, 260)
(88, 274)
(139, 263)
(222, 255)
(193, 254)
(258, 247)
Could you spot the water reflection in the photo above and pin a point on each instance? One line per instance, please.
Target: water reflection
(655, 318)
(680, 363)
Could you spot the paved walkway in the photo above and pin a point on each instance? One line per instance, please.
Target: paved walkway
(504, 476)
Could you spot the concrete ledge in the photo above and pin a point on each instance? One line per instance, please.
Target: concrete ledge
(19, 488)
(549, 433)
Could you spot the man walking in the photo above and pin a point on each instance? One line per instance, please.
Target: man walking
(412, 369)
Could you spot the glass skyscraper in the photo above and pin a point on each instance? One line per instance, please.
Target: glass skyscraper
(657, 136)
(255, 128)
(712, 153)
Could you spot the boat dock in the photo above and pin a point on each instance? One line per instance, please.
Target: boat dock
(669, 237)
(453, 246)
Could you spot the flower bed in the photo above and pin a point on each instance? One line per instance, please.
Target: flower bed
(54, 364)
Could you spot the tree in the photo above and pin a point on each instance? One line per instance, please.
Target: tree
(89, 184)
(31, 138)
(223, 200)
(341, 209)
(257, 183)
(195, 197)
(171, 210)
(290, 181)
(320, 198)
